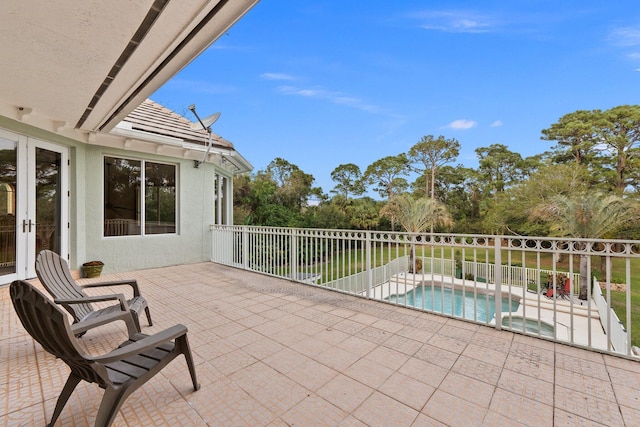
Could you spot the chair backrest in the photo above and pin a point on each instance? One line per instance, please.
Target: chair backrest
(48, 325)
(53, 272)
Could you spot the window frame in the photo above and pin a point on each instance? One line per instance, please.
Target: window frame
(141, 196)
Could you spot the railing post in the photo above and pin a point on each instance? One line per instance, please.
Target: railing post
(214, 249)
(244, 234)
(498, 281)
(293, 253)
(627, 349)
(368, 253)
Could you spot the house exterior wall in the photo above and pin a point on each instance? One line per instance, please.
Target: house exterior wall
(192, 241)
(195, 208)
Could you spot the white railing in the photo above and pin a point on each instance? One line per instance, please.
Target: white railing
(485, 272)
(121, 227)
(615, 330)
(358, 283)
(453, 275)
(7, 244)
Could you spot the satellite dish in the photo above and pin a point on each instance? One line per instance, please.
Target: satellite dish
(206, 122)
(206, 125)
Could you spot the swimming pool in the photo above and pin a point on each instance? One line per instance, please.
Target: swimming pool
(443, 300)
(530, 325)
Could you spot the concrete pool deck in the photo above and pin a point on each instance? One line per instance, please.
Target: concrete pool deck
(273, 353)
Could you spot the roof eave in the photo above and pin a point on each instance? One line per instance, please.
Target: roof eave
(145, 142)
(191, 44)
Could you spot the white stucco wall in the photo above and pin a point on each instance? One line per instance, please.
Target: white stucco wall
(191, 243)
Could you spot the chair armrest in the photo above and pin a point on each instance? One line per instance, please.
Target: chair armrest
(125, 316)
(145, 344)
(131, 282)
(98, 298)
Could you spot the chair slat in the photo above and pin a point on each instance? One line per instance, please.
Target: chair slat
(127, 368)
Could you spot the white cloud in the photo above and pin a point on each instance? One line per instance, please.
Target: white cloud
(292, 90)
(331, 96)
(276, 76)
(455, 21)
(496, 124)
(627, 39)
(637, 69)
(462, 124)
(625, 36)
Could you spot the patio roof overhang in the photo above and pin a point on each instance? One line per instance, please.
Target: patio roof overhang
(79, 68)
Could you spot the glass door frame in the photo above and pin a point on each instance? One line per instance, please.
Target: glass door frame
(16, 140)
(26, 203)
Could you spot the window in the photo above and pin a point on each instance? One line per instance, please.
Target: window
(160, 198)
(125, 214)
(220, 186)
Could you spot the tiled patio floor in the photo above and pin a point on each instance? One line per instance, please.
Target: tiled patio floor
(274, 353)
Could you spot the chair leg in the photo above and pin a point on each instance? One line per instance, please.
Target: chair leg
(111, 402)
(136, 320)
(148, 313)
(68, 388)
(185, 349)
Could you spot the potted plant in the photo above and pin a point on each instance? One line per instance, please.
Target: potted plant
(92, 268)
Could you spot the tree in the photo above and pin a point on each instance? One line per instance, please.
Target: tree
(280, 170)
(416, 216)
(293, 186)
(586, 215)
(386, 174)
(363, 213)
(275, 197)
(327, 215)
(459, 188)
(255, 202)
(432, 153)
(242, 199)
(511, 212)
(348, 180)
(605, 141)
(499, 166)
(620, 131)
(576, 135)
(472, 183)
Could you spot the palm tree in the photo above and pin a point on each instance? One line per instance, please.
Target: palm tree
(417, 215)
(586, 215)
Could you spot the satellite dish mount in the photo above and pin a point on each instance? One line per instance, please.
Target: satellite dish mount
(206, 125)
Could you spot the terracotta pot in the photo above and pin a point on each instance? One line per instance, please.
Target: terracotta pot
(92, 268)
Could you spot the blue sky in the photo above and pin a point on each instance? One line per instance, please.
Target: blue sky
(326, 82)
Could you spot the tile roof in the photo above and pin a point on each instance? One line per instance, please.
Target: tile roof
(154, 118)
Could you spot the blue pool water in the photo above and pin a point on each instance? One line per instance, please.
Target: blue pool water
(517, 323)
(442, 300)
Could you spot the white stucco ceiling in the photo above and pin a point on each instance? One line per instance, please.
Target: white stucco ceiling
(56, 57)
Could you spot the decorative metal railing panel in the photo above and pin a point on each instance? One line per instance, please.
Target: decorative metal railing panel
(532, 285)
